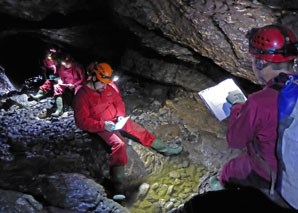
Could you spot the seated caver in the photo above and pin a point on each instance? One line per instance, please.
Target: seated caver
(98, 107)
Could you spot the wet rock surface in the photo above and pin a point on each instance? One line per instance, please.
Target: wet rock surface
(35, 151)
(168, 189)
(75, 192)
(5, 84)
(11, 201)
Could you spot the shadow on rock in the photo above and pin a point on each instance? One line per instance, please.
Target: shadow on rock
(234, 200)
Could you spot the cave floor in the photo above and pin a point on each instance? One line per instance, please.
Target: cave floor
(182, 119)
(176, 183)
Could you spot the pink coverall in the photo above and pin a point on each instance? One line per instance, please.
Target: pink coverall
(255, 120)
(91, 110)
(48, 65)
(73, 75)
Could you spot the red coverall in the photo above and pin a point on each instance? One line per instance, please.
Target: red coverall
(48, 65)
(256, 120)
(91, 110)
(73, 75)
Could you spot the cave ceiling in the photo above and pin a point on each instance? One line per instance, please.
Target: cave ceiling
(187, 30)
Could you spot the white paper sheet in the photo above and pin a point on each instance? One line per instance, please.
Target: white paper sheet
(121, 123)
(215, 98)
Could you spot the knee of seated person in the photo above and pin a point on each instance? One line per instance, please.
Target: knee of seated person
(122, 145)
(119, 144)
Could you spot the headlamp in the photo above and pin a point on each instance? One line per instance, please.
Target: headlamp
(115, 78)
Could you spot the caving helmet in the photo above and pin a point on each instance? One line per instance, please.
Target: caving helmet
(273, 43)
(103, 72)
(50, 52)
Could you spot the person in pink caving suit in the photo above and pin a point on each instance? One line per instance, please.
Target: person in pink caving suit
(253, 124)
(68, 77)
(71, 78)
(98, 107)
(49, 72)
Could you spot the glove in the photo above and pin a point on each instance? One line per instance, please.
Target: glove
(71, 86)
(59, 80)
(215, 184)
(227, 108)
(235, 97)
(120, 118)
(110, 126)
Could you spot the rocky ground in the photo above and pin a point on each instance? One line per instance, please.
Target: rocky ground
(43, 157)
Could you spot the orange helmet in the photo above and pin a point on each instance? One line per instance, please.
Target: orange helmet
(103, 72)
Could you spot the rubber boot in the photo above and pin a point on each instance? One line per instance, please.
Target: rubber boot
(164, 149)
(38, 95)
(59, 104)
(117, 173)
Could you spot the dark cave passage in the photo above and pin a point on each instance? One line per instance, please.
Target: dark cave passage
(21, 56)
(22, 52)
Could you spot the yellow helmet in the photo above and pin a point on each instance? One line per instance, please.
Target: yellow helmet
(103, 72)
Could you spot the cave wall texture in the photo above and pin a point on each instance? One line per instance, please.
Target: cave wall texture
(188, 31)
(177, 42)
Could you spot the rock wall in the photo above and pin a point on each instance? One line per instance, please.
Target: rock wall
(185, 30)
(214, 29)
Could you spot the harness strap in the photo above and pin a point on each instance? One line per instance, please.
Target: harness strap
(267, 168)
(278, 83)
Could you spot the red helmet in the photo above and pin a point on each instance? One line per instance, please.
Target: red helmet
(273, 43)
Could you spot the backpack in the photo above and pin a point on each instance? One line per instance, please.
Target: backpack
(287, 143)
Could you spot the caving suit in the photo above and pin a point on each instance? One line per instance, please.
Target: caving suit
(72, 75)
(48, 65)
(253, 125)
(92, 109)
